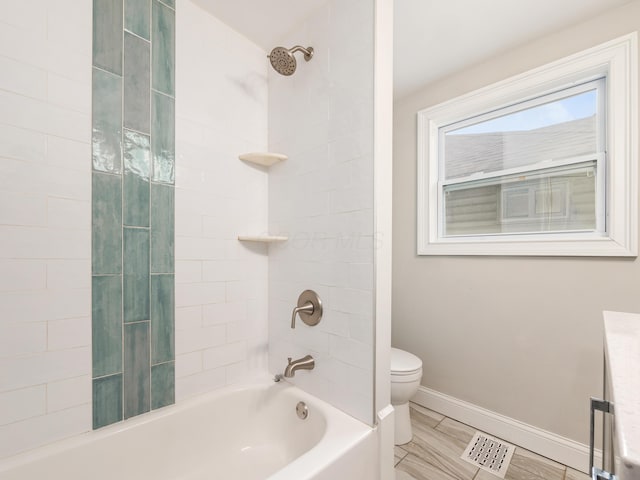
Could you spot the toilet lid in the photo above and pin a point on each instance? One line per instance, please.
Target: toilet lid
(404, 362)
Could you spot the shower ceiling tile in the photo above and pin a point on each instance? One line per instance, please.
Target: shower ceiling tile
(137, 58)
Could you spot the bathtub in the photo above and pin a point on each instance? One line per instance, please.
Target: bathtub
(247, 432)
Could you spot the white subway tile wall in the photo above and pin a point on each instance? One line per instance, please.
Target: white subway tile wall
(322, 198)
(45, 239)
(221, 112)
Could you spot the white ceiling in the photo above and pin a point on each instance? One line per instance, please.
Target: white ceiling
(432, 38)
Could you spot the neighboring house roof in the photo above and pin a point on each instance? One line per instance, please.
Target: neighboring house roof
(490, 152)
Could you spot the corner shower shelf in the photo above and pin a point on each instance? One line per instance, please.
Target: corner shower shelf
(263, 158)
(262, 238)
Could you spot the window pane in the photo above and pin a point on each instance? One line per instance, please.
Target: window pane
(550, 131)
(553, 201)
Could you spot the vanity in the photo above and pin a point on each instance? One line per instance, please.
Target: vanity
(621, 439)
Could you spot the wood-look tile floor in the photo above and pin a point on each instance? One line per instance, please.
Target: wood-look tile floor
(438, 441)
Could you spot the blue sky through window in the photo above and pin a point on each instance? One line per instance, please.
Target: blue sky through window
(575, 107)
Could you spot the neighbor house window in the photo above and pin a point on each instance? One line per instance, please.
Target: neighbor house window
(541, 164)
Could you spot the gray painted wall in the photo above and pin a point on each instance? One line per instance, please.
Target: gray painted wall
(521, 336)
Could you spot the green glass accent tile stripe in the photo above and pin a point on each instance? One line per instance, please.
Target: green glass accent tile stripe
(162, 228)
(107, 400)
(133, 208)
(106, 325)
(106, 228)
(163, 148)
(164, 48)
(136, 83)
(136, 274)
(162, 318)
(106, 122)
(107, 35)
(163, 385)
(137, 159)
(137, 369)
(137, 17)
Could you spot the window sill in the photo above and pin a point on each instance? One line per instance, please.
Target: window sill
(588, 246)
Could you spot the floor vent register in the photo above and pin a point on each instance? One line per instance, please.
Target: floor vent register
(489, 454)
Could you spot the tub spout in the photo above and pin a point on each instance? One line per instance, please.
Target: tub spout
(305, 363)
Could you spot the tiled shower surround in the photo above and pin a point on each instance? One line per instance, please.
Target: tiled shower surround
(133, 158)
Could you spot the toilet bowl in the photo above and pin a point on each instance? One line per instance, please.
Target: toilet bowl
(406, 373)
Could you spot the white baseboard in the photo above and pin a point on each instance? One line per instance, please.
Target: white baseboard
(550, 445)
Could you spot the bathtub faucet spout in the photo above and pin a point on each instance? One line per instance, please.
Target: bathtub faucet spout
(305, 363)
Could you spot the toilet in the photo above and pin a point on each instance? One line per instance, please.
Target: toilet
(406, 373)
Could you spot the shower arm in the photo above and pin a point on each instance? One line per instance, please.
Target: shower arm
(308, 52)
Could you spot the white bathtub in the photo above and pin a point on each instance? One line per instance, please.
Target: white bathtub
(238, 433)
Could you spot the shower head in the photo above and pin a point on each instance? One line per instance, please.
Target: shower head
(283, 61)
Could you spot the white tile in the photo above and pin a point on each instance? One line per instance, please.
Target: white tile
(199, 383)
(220, 313)
(193, 248)
(30, 242)
(349, 300)
(188, 317)
(69, 333)
(22, 45)
(22, 338)
(224, 355)
(23, 209)
(69, 24)
(23, 275)
(20, 404)
(68, 154)
(66, 123)
(188, 364)
(23, 177)
(68, 93)
(224, 270)
(188, 271)
(67, 63)
(199, 338)
(37, 431)
(352, 352)
(19, 372)
(28, 15)
(69, 274)
(188, 223)
(361, 276)
(68, 393)
(23, 112)
(22, 78)
(42, 305)
(68, 213)
(22, 144)
(192, 294)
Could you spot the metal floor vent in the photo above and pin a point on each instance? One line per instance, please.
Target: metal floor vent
(489, 454)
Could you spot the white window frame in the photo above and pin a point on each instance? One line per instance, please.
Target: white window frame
(617, 62)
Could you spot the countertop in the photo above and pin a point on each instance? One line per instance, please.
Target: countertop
(622, 350)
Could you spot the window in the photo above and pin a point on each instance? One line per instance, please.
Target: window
(541, 164)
